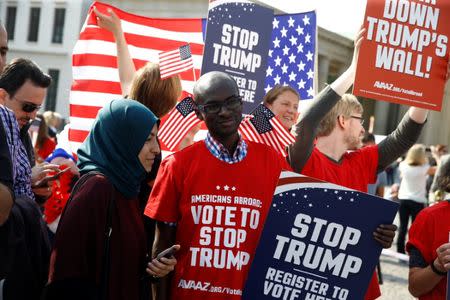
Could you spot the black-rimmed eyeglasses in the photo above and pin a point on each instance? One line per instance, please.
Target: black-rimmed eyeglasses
(361, 119)
(231, 103)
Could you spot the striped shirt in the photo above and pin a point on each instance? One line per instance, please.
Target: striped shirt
(220, 152)
(21, 167)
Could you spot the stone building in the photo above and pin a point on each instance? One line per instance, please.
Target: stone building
(46, 32)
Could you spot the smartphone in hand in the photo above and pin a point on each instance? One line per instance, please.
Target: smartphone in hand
(168, 253)
(43, 182)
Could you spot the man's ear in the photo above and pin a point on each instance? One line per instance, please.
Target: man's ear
(341, 121)
(198, 113)
(3, 96)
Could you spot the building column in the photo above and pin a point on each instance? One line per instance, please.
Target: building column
(324, 65)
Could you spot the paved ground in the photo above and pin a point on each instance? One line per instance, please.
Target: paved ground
(395, 276)
(395, 279)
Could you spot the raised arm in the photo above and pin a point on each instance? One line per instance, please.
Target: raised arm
(306, 128)
(406, 134)
(111, 22)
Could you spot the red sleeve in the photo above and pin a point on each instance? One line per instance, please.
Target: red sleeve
(162, 204)
(421, 235)
(369, 157)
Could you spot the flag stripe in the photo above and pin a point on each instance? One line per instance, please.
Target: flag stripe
(84, 111)
(176, 25)
(109, 48)
(139, 40)
(96, 86)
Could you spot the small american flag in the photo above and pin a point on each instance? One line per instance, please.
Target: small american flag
(262, 126)
(284, 135)
(181, 119)
(175, 61)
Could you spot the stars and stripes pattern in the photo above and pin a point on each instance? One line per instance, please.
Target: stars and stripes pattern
(180, 120)
(175, 61)
(94, 61)
(261, 126)
(291, 58)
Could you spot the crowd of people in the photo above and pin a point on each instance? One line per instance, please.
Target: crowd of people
(90, 225)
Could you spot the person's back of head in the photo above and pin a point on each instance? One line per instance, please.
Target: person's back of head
(441, 181)
(52, 118)
(159, 95)
(20, 70)
(346, 106)
(368, 139)
(416, 155)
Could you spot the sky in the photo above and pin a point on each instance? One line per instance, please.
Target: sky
(340, 16)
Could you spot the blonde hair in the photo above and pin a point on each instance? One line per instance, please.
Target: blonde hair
(51, 118)
(159, 95)
(416, 155)
(346, 106)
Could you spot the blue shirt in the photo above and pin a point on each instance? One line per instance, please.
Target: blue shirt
(21, 167)
(221, 153)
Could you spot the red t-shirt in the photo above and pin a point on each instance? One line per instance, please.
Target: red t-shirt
(356, 170)
(220, 210)
(427, 233)
(47, 148)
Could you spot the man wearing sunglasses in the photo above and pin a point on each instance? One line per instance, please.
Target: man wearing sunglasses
(23, 87)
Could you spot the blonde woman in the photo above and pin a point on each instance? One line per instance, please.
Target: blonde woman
(412, 193)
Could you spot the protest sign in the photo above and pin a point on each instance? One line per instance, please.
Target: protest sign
(405, 54)
(237, 42)
(317, 242)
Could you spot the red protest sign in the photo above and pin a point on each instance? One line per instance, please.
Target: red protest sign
(405, 54)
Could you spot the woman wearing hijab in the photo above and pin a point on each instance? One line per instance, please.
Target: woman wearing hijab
(113, 160)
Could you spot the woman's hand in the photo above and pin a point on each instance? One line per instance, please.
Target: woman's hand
(162, 266)
(358, 41)
(110, 21)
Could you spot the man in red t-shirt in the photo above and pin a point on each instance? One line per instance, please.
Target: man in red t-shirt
(218, 192)
(337, 156)
(212, 198)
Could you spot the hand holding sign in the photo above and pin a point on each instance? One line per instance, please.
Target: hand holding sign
(406, 52)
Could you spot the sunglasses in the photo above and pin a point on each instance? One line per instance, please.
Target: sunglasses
(231, 103)
(28, 107)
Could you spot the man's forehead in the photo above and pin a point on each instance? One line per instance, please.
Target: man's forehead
(31, 93)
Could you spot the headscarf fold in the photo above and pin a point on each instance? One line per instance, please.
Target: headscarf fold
(113, 145)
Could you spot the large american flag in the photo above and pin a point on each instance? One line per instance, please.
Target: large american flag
(96, 78)
(94, 66)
